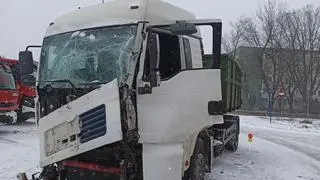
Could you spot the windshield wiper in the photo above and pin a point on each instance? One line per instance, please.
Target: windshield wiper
(92, 83)
(60, 80)
(7, 89)
(5, 68)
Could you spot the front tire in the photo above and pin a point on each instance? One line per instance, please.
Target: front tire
(199, 163)
(20, 116)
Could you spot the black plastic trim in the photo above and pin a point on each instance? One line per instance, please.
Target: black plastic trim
(215, 108)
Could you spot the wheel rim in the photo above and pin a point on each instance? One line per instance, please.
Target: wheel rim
(236, 142)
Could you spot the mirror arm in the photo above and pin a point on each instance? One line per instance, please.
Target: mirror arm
(32, 46)
(216, 44)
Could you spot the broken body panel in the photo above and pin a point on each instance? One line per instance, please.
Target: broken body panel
(82, 125)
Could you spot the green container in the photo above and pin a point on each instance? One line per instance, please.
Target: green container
(231, 76)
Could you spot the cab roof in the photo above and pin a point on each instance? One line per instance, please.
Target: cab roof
(119, 12)
(8, 61)
(14, 61)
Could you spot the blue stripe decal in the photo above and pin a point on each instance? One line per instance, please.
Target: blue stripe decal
(93, 124)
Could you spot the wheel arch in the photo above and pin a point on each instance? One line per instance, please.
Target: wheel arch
(201, 138)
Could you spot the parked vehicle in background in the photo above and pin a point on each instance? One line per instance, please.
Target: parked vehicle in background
(9, 96)
(16, 98)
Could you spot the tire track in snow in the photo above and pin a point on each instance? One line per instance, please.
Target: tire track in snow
(15, 134)
(8, 141)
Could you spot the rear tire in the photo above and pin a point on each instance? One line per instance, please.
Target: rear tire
(233, 144)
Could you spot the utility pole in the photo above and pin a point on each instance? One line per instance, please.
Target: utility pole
(308, 98)
(308, 102)
(270, 104)
(281, 95)
(102, 1)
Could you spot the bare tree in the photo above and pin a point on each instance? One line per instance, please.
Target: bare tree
(288, 40)
(309, 44)
(302, 36)
(263, 31)
(231, 42)
(289, 48)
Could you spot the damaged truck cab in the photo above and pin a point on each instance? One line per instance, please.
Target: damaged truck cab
(124, 93)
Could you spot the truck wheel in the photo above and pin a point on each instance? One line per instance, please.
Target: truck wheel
(199, 163)
(20, 116)
(233, 144)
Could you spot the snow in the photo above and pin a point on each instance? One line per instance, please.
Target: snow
(82, 34)
(264, 160)
(282, 150)
(75, 34)
(295, 124)
(19, 149)
(91, 37)
(27, 109)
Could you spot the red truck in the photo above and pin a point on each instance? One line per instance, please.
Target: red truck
(16, 98)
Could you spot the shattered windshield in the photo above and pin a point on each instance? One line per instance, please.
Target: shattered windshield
(6, 78)
(88, 56)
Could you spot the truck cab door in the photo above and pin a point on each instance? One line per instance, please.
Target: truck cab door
(173, 112)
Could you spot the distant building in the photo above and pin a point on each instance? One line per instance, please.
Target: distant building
(254, 92)
(252, 78)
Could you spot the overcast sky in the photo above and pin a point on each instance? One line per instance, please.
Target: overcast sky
(24, 22)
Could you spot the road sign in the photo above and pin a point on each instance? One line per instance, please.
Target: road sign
(250, 137)
(281, 92)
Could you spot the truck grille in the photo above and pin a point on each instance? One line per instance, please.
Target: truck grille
(93, 124)
(6, 105)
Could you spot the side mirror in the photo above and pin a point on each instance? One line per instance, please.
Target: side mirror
(183, 28)
(26, 62)
(29, 80)
(154, 54)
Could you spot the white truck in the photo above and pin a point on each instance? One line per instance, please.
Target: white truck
(125, 91)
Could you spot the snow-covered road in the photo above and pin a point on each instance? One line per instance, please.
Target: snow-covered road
(19, 150)
(277, 153)
(280, 151)
(304, 142)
